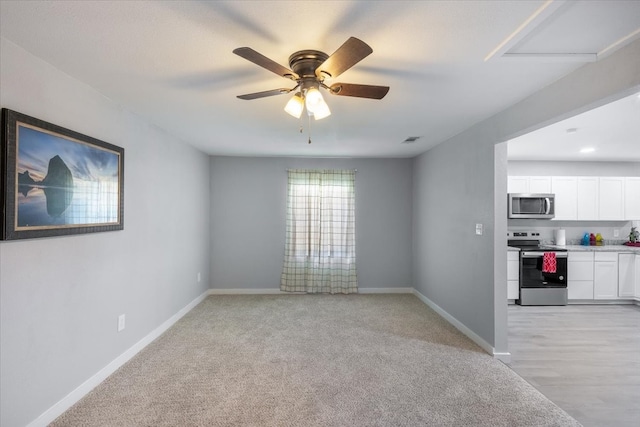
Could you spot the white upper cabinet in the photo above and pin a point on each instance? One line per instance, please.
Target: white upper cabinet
(518, 184)
(529, 184)
(632, 198)
(565, 189)
(611, 203)
(585, 198)
(588, 197)
(540, 184)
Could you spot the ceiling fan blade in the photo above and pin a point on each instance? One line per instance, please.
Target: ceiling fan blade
(360, 91)
(264, 94)
(261, 60)
(347, 55)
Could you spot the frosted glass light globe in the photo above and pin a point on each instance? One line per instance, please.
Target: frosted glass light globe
(313, 99)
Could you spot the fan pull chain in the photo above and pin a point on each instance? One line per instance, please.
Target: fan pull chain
(308, 130)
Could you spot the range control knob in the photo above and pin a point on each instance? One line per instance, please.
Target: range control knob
(561, 277)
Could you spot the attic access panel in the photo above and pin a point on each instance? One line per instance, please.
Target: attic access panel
(576, 28)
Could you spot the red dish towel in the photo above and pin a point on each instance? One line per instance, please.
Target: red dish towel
(549, 262)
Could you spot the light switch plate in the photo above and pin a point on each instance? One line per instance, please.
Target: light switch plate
(479, 229)
(120, 322)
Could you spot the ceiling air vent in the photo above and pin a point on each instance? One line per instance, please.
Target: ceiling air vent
(410, 140)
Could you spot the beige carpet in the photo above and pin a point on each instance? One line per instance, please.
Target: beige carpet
(314, 360)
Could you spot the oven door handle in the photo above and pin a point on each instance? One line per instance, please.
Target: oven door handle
(540, 254)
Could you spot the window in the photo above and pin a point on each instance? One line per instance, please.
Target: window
(320, 241)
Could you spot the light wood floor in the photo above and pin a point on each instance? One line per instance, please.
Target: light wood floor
(584, 358)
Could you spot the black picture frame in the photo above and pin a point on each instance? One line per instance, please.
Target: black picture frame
(57, 182)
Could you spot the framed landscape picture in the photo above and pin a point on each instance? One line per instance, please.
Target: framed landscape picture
(56, 181)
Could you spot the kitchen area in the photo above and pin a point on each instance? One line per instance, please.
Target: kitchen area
(586, 226)
(573, 262)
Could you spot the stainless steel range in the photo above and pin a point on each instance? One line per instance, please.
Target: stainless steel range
(543, 272)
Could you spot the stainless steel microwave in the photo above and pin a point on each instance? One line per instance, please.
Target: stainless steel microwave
(525, 205)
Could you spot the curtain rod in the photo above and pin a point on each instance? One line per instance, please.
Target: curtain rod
(355, 170)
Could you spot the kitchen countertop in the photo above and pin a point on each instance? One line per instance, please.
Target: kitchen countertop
(604, 248)
(512, 249)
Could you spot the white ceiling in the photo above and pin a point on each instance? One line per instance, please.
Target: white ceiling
(171, 62)
(612, 131)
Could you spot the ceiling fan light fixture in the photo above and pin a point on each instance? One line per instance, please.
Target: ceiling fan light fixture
(295, 105)
(322, 110)
(311, 69)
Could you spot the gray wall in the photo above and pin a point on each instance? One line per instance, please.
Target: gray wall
(453, 267)
(60, 297)
(248, 215)
(455, 186)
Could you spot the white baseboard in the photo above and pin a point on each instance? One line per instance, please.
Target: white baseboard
(601, 302)
(385, 290)
(68, 401)
(505, 357)
(277, 291)
(247, 291)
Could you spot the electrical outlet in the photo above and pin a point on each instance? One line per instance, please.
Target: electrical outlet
(198, 277)
(616, 232)
(120, 322)
(479, 229)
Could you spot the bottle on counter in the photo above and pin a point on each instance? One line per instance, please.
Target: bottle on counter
(592, 239)
(599, 240)
(585, 239)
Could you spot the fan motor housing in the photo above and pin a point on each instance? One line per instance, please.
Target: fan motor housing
(305, 62)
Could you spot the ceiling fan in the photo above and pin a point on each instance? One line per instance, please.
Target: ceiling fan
(310, 69)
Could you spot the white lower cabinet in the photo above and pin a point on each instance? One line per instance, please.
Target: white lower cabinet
(580, 289)
(513, 290)
(513, 275)
(580, 276)
(605, 275)
(626, 275)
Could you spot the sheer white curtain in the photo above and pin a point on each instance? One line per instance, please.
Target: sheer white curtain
(320, 248)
